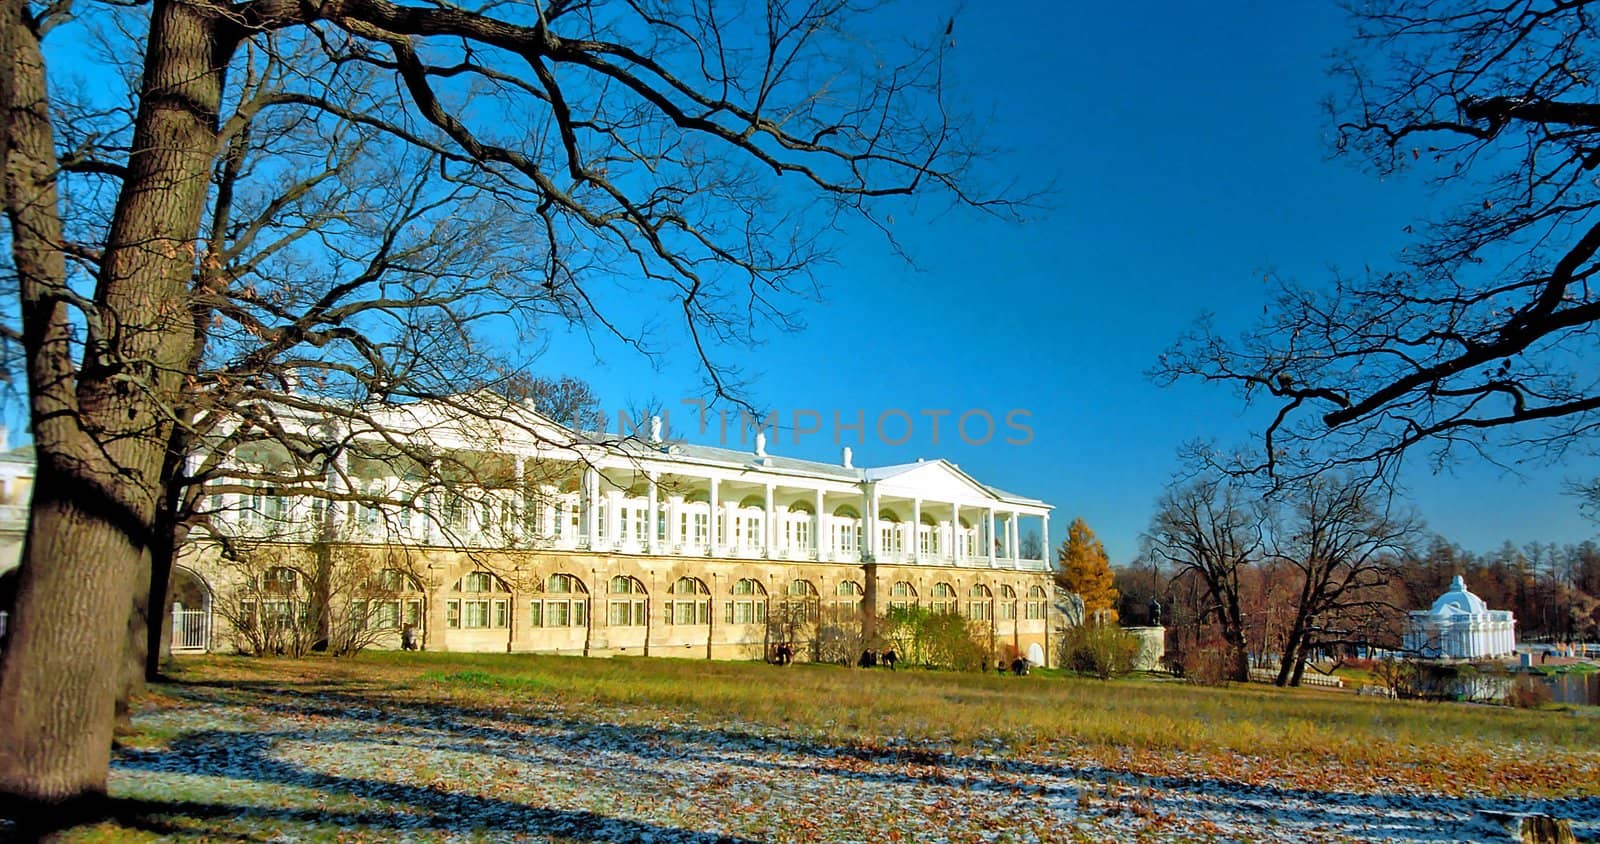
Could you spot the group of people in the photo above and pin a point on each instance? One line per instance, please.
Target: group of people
(872, 659)
(783, 654)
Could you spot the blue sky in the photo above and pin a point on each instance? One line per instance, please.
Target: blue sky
(1190, 153)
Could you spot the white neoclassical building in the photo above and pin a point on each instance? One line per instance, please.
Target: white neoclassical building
(1460, 625)
(495, 529)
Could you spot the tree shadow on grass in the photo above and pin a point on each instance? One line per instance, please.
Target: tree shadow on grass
(398, 807)
(572, 743)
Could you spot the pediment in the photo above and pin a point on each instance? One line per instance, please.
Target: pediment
(937, 480)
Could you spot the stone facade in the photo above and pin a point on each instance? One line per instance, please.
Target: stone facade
(521, 535)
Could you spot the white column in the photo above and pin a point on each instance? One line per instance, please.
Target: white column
(589, 503)
(1044, 538)
(869, 524)
(675, 521)
(1012, 530)
(916, 530)
(655, 508)
(819, 530)
(338, 483)
(613, 515)
(769, 535)
(519, 501)
(716, 517)
(988, 539)
(435, 508)
(955, 533)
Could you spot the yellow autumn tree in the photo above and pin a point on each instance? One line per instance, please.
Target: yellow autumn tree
(1083, 568)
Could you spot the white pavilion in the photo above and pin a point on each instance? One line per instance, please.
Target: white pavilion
(1460, 625)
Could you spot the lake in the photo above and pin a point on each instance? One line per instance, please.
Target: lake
(1575, 688)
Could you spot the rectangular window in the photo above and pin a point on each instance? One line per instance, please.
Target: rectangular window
(535, 614)
(387, 615)
(452, 614)
(476, 613)
(413, 613)
(557, 614)
(502, 613)
(627, 613)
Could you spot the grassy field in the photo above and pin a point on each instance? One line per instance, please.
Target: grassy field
(1137, 731)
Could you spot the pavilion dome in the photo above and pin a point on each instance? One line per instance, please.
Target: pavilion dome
(1459, 601)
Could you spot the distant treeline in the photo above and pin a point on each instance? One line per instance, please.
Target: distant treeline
(1554, 590)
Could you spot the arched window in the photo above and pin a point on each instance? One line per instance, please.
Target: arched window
(846, 601)
(928, 536)
(902, 595)
(1035, 608)
(565, 603)
(392, 598)
(749, 604)
(478, 607)
(694, 525)
(845, 531)
(968, 539)
(277, 603)
(690, 602)
(749, 525)
(627, 604)
(1008, 602)
(944, 598)
(280, 580)
(980, 603)
(800, 600)
(801, 589)
(795, 530)
(891, 538)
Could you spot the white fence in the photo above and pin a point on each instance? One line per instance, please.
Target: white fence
(1267, 675)
(191, 630)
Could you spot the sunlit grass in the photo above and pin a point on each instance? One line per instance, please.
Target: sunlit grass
(1122, 722)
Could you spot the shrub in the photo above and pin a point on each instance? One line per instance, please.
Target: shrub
(1527, 692)
(1101, 650)
(936, 639)
(1206, 664)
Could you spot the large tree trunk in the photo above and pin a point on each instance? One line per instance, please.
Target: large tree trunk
(169, 535)
(1233, 634)
(100, 434)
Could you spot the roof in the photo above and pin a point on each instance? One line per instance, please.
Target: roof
(1459, 601)
(692, 453)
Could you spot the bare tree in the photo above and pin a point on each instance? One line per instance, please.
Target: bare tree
(681, 148)
(1478, 337)
(1343, 541)
(1207, 531)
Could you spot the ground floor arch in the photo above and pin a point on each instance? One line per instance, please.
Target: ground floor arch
(190, 605)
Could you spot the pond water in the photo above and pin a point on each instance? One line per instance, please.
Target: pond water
(1575, 688)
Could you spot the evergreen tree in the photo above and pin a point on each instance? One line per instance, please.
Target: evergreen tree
(1082, 567)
